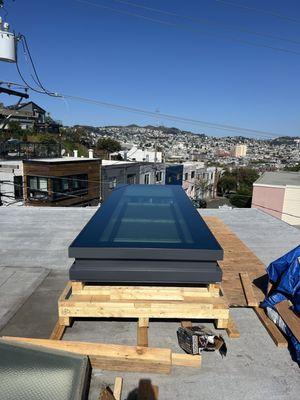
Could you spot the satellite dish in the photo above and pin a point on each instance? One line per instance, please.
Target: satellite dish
(7, 43)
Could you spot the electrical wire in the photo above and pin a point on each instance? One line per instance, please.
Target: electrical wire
(206, 21)
(271, 13)
(174, 118)
(170, 117)
(42, 89)
(185, 27)
(271, 209)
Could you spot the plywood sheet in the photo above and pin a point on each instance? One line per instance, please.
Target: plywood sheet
(238, 258)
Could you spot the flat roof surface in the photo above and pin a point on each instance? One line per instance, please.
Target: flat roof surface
(117, 162)
(254, 369)
(60, 160)
(281, 178)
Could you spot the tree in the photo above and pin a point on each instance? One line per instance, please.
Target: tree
(295, 168)
(226, 184)
(108, 145)
(201, 187)
(15, 129)
(242, 198)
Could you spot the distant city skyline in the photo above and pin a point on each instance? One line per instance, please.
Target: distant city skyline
(202, 72)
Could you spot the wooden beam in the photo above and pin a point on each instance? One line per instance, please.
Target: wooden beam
(186, 360)
(58, 331)
(248, 289)
(118, 388)
(110, 356)
(274, 332)
(291, 319)
(232, 330)
(142, 332)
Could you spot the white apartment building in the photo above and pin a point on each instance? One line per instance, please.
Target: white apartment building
(239, 151)
(137, 154)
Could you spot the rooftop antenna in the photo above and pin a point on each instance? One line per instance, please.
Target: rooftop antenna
(8, 40)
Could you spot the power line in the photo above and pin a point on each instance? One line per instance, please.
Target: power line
(267, 12)
(206, 21)
(272, 209)
(170, 117)
(185, 27)
(173, 117)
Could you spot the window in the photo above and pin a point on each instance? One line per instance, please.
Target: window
(18, 186)
(38, 188)
(159, 176)
(186, 176)
(147, 179)
(193, 174)
(131, 179)
(75, 185)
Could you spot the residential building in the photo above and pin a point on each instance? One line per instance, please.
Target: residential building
(174, 174)
(11, 183)
(191, 178)
(278, 194)
(115, 173)
(69, 181)
(239, 151)
(29, 116)
(137, 154)
(152, 173)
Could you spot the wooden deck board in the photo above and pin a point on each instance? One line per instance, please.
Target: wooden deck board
(238, 258)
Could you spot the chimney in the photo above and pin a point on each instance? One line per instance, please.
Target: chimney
(76, 153)
(91, 153)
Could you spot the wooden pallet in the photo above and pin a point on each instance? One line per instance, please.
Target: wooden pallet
(143, 302)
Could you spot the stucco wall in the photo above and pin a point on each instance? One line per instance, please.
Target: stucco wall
(268, 199)
(291, 205)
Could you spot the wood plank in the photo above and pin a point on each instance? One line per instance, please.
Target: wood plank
(111, 356)
(238, 258)
(142, 336)
(118, 388)
(248, 290)
(144, 292)
(58, 331)
(289, 316)
(186, 360)
(273, 330)
(232, 330)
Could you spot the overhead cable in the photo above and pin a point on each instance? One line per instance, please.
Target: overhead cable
(207, 22)
(186, 27)
(257, 10)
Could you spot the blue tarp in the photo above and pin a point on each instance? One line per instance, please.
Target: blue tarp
(284, 274)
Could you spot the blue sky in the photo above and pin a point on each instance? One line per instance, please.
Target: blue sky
(191, 69)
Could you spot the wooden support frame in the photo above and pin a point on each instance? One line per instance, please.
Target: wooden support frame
(143, 303)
